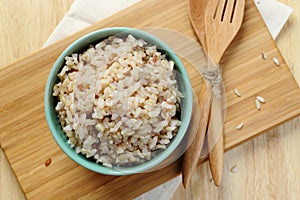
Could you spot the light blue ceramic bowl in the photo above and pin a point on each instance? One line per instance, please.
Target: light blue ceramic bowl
(50, 102)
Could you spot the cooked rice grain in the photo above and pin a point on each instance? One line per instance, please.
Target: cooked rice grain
(118, 100)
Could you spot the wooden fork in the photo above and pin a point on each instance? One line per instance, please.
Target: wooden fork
(223, 19)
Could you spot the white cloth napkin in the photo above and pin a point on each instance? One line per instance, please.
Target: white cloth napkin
(275, 15)
(86, 12)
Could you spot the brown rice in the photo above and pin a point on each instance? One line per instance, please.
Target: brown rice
(118, 101)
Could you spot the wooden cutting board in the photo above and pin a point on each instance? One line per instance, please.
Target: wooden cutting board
(28, 144)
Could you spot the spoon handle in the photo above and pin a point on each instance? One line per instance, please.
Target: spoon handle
(192, 154)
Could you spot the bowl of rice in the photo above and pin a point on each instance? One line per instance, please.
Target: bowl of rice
(118, 101)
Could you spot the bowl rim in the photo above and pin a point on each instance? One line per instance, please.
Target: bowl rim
(80, 159)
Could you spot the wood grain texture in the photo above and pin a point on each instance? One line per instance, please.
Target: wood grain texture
(25, 27)
(197, 18)
(191, 156)
(223, 20)
(190, 159)
(267, 165)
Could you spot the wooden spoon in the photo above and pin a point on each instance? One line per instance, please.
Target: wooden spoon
(192, 154)
(223, 19)
(197, 16)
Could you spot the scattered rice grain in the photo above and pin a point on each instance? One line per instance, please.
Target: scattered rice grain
(276, 61)
(257, 104)
(240, 126)
(237, 92)
(234, 169)
(48, 162)
(264, 55)
(261, 99)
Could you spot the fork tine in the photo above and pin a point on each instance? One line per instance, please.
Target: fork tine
(229, 12)
(219, 9)
(212, 9)
(239, 10)
(219, 34)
